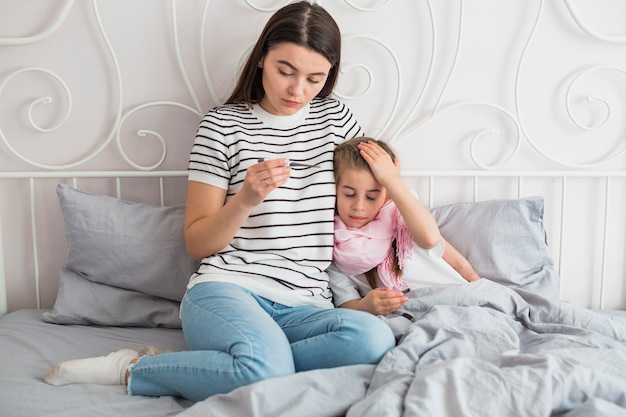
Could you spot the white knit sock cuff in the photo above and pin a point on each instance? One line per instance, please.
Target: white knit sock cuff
(124, 368)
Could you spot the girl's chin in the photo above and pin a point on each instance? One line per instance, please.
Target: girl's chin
(356, 225)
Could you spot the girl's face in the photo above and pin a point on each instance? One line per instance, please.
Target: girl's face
(292, 77)
(359, 197)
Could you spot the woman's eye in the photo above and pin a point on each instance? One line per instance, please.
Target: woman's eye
(314, 81)
(286, 74)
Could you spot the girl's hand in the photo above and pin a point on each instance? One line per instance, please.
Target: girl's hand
(262, 178)
(382, 301)
(380, 162)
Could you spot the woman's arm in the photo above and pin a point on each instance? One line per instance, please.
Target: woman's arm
(211, 222)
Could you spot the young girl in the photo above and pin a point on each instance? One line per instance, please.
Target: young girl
(386, 241)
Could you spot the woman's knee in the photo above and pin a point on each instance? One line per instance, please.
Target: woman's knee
(372, 337)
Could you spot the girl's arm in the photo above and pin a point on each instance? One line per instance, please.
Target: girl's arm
(379, 301)
(418, 219)
(457, 261)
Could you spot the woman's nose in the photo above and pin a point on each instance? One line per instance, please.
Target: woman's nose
(296, 87)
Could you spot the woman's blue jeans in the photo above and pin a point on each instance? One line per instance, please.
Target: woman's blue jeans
(237, 338)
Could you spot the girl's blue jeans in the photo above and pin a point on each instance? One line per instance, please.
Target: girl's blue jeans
(236, 338)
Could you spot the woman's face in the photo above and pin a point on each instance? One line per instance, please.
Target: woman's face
(359, 197)
(292, 77)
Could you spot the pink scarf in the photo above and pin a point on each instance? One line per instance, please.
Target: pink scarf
(356, 251)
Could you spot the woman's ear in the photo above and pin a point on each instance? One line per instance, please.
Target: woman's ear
(396, 162)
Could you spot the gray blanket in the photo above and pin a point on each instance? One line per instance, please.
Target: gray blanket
(479, 349)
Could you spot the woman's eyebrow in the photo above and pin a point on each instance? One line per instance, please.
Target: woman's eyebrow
(290, 65)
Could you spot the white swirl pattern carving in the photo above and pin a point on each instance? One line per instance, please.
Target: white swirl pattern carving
(401, 121)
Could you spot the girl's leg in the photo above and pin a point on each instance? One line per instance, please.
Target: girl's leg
(326, 338)
(233, 342)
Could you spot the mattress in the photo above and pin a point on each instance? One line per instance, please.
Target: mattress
(546, 334)
(29, 348)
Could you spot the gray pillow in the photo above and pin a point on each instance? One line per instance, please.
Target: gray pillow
(80, 301)
(121, 249)
(504, 240)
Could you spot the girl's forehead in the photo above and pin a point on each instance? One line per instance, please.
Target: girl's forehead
(360, 179)
(351, 172)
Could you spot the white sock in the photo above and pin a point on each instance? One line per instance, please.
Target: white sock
(102, 370)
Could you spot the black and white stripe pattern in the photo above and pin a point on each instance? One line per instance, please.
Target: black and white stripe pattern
(283, 249)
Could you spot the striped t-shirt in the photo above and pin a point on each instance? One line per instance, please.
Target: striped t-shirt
(282, 250)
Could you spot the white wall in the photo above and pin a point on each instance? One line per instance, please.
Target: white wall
(436, 78)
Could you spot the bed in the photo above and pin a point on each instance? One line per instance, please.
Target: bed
(92, 257)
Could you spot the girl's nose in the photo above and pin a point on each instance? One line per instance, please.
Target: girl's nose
(358, 204)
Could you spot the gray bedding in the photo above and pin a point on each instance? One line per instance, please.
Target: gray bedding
(479, 349)
(29, 347)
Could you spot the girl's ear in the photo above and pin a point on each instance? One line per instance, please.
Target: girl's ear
(396, 162)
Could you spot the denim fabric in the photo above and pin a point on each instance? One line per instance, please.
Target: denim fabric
(237, 338)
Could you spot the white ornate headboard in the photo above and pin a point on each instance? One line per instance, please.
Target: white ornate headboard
(482, 99)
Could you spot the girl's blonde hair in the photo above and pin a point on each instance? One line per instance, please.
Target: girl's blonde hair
(348, 156)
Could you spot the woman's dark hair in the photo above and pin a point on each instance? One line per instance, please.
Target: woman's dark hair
(303, 23)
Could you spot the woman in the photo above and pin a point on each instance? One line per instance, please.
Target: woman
(260, 305)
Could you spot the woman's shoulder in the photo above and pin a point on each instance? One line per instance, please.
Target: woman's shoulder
(329, 105)
(318, 102)
(231, 111)
(235, 109)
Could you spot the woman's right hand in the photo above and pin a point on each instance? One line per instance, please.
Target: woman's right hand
(262, 178)
(211, 223)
